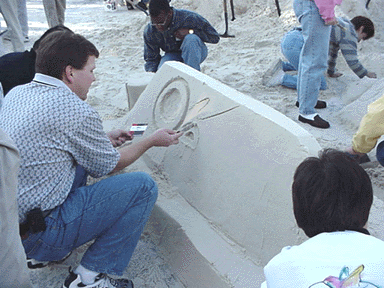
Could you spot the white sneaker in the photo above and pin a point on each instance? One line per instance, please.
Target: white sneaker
(101, 281)
(274, 75)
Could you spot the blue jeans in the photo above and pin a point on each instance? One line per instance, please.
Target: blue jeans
(291, 45)
(313, 56)
(113, 212)
(193, 52)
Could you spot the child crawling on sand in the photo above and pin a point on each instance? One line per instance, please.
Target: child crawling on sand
(332, 196)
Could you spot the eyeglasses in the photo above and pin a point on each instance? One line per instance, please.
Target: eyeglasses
(161, 24)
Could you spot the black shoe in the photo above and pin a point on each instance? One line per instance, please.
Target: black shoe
(129, 5)
(318, 122)
(319, 105)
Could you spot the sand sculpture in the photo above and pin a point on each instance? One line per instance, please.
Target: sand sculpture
(234, 164)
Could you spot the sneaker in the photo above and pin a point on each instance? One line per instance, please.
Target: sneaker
(141, 6)
(101, 281)
(274, 75)
(319, 104)
(317, 122)
(110, 5)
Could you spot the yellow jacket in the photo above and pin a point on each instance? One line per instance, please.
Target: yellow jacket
(371, 128)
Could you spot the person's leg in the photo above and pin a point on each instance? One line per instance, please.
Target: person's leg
(194, 51)
(54, 12)
(23, 17)
(380, 153)
(291, 45)
(112, 211)
(61, 6)
(9, 12)
(171, 56)
(313, 57)
(289, 81)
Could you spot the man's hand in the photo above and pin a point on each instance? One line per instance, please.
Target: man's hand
(181, 33)
(335, 75)
(353, 152)
(119, 137)
(165, 137)
(331, 22)
(371, 75)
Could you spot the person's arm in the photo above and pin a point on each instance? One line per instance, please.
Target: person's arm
(332, 57)
(152, 55)
(160, 138)
(348, 47)
(202, 28)
(371, 128)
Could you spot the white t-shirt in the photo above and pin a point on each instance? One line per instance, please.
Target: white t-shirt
(338, 259)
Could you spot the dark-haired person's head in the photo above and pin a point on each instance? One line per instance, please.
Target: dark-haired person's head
(331, 193)
(68, 57)
(161, 14)
(49, 31)
(155, 7)
(366, 23)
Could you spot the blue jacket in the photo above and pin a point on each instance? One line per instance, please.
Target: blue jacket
(155, 40)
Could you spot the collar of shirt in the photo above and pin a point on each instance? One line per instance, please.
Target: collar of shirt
(49, 81)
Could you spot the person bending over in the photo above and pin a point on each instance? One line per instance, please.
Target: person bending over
(61, 141)
(344, 37)
(179, 33)
(370, 130)
(332, 196)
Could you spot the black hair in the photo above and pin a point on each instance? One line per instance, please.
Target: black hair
(331, 193)
(157, 6)
(60, 49)
(369, 28)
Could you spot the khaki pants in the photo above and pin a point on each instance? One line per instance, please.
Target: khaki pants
(54, 11)
(13, 265)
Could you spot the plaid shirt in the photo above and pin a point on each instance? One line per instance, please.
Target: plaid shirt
(54, 131)
(166, 41)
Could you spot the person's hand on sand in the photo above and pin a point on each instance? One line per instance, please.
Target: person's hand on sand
(371, 75)
(119, 137)
(335, 75)
(181, 33)
(165, 137)
(332, 22)
(353, 152)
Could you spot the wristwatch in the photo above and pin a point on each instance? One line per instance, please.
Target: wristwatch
(191, 31)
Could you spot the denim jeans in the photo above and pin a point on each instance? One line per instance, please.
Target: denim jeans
(113, 212)
(291, 45)
(313, 56)
(193, 52)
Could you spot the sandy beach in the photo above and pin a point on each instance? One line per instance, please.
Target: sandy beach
(238, 62)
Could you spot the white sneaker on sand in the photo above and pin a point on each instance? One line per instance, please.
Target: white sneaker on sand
(274, 75)
(101, 281)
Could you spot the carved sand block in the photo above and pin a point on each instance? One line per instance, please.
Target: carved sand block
(234, 164)
(135, 85)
